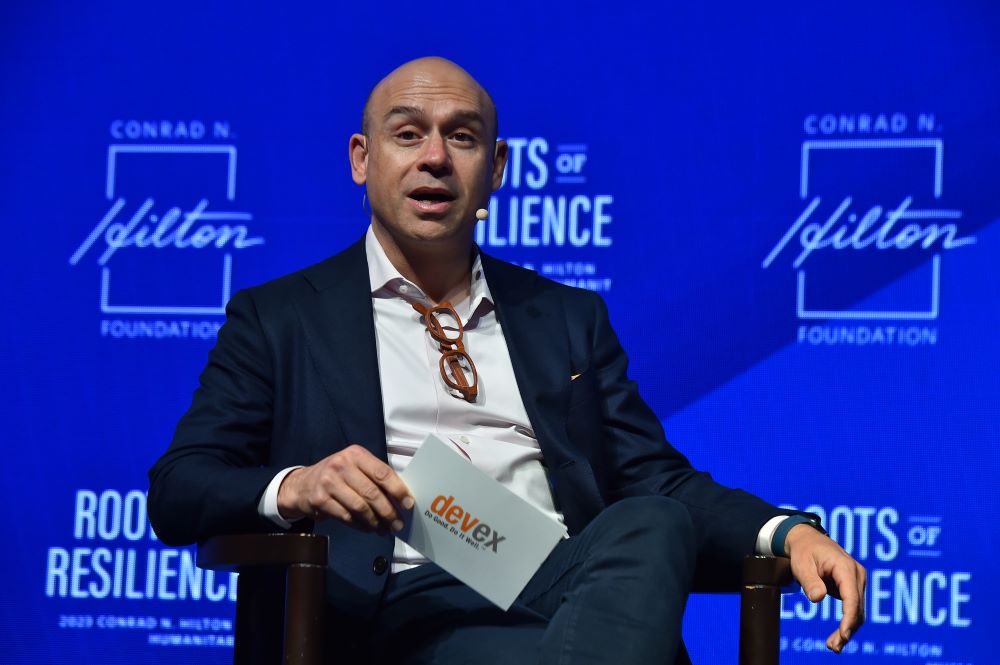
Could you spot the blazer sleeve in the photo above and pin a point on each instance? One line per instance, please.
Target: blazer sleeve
(212, 476)
(643, 462)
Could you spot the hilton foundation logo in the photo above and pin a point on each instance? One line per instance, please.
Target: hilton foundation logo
(867, 251)
(164, 249)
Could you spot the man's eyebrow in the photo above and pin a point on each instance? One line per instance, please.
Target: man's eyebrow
(461, 116)
(404, 110)
(468, 116)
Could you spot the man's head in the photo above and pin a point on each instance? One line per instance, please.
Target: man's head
(366, 121)
(428, 153)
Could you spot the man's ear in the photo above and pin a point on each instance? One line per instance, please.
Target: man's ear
(359, 158)
(499, 162)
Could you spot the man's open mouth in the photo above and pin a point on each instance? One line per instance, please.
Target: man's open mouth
(432, 201)
(431, 195)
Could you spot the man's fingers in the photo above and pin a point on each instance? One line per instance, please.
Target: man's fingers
(812, 584)
(377, 501)
(849, 578)
(855, 580)
(382, 475)
(326, 506)
(355, 487)
(844, 575)
(360, 511)
(835, 642)
(822, 567)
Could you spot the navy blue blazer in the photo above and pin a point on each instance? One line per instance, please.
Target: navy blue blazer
(294, 377)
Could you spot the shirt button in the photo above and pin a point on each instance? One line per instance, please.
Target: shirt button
(464, 439)
(403, 288)
(380, 565)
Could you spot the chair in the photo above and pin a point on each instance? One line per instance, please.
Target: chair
(280, 607)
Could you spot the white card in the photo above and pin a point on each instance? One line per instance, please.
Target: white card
(474, 527)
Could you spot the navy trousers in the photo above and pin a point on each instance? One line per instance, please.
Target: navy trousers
(614, 593)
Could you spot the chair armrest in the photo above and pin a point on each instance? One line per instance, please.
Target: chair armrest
(776, 571)
(281, 594)
(241, 551)
(764, 579)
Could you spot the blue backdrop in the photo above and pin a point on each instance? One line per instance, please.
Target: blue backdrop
(792, 215)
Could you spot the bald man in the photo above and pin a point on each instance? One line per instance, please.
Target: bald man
(323, 384)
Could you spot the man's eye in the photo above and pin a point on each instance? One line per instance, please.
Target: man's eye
(463, 137)
(407, 135)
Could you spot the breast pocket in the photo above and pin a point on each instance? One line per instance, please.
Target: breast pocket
(582, 389)
(585, 416)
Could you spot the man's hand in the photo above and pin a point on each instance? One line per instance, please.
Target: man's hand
(822, 566)
(352, 485)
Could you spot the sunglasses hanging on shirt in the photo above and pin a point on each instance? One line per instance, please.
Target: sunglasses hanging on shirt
(457, 369)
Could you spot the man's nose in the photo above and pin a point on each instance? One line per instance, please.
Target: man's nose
(435, 157)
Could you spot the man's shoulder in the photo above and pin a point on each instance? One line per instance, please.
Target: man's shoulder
(349, 263)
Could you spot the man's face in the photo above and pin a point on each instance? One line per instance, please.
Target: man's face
(430, 159)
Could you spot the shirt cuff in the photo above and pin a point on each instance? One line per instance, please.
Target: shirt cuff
(765, 534)
(268, 506)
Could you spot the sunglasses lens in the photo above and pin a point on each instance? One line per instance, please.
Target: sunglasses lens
(445, 325)
(457, 368)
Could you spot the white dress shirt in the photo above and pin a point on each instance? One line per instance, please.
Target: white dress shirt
(493, 431)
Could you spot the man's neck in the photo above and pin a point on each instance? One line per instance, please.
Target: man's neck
(441, 270)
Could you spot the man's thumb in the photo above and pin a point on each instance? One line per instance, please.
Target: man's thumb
(812, 585)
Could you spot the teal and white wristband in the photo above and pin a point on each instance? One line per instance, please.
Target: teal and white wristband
(778, 539)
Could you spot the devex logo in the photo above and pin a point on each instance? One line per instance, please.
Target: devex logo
(453, 514)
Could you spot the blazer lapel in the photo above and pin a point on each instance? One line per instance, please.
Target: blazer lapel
(535, 329)
(339, 326)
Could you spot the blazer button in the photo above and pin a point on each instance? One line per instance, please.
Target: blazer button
(380, 565)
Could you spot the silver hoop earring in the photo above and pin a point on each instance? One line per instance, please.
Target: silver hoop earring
(364, 200)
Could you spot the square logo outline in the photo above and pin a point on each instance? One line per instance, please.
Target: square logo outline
(227, 261)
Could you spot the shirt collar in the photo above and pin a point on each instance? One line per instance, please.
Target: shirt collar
(387, 282)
